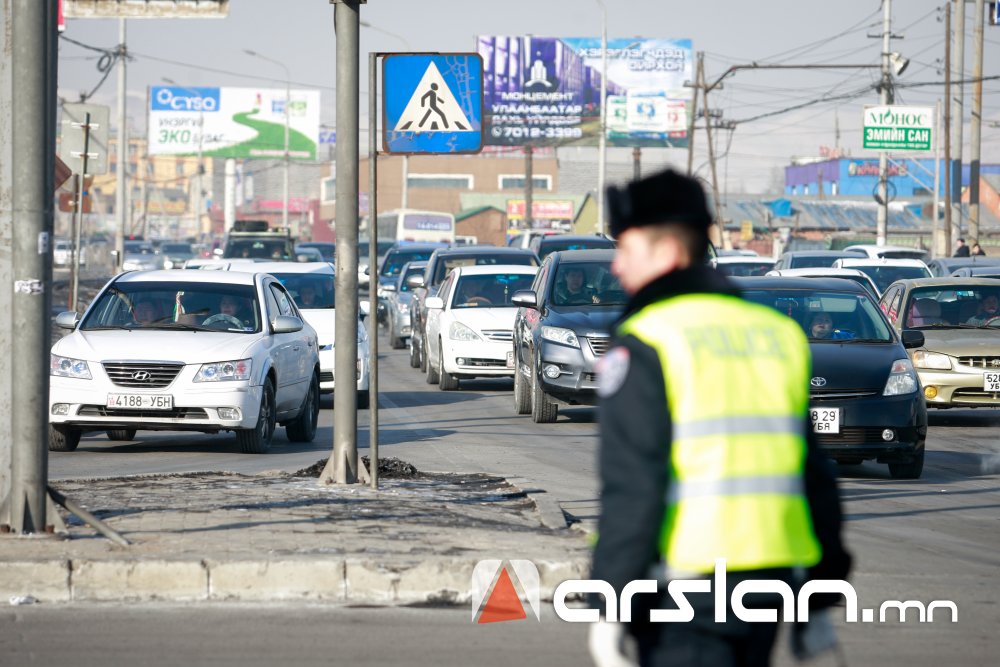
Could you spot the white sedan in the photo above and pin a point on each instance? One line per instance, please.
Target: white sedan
(311, 284)
(186, 351)
(470, 324)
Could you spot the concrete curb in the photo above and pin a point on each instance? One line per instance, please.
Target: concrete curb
(429, 581)
(549, 510)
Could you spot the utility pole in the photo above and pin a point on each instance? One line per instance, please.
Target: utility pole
(975, 139)
(698, 78)
(636, 163)
(342, 468)
(32, 37)
(529, 189)
(121, 201)
(958, 120)
(943, 248)
(936, 231)
(885, 88)
(718, 234)
(603, 139)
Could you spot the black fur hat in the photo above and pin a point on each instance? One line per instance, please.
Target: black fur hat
(666, 197)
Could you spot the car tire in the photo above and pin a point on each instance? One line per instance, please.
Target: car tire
(911, 469)
(121, 434)
(303, 427)
(395, 342)
(63, 438)
(522, 392)
(433, 377)
(446, 381)
(422, 355)
(543, 411)
(257, 440)
(364, 399)
(414, 358)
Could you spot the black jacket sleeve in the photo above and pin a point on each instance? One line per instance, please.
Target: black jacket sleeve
(633, 458)
(827, 518)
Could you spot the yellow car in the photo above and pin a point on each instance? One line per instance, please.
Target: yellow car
(959, 363)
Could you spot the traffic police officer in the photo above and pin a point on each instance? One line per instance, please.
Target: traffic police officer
(706, 450)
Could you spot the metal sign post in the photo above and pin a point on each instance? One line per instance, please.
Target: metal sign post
(373, 271)
(81, 181)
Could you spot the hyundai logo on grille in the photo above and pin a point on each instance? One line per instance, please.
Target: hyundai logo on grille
(141, 376)
(818, 382)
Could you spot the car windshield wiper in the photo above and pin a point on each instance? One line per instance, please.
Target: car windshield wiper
(107, 327)
(179, 326)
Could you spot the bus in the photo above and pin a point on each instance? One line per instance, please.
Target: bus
(417, 226)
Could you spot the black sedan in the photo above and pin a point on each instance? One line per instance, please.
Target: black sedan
(561, 330)
(865, 398)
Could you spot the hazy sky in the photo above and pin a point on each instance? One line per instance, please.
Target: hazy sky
(300, 34)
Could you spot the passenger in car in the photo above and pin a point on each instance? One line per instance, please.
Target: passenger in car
(821, 326)
(989, 308)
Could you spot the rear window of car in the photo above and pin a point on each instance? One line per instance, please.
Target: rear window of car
(851, 316)
(745, 268)
(395, 260)
(816, 261)
(446, 264)
(176, 247)
(547, 246)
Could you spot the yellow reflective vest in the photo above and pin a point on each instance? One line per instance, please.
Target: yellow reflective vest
(737, 384)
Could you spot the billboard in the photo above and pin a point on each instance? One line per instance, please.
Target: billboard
(546, 91)
(898, 128)
(232, 122)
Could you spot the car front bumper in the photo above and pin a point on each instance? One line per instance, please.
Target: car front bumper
(962, 387)
(195, 405)
(485, 358)
(866, 420)
(576, 383)
(326, 376)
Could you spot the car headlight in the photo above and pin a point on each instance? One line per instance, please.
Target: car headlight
(224, 370)
(902, 379)
(560, 335)
(69, 368)
(168, 264)
(935, 360)
(459, 331)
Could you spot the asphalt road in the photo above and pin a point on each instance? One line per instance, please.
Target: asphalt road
(937, 538)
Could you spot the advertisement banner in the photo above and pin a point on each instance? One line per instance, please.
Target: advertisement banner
(545, 91)
(898, 128)
(233, 122)
(545, 209)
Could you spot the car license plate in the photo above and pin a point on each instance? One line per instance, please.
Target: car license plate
(825, 420)
(510, 359)
(991, 381)
(141, 401)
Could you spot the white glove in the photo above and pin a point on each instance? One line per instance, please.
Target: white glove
(606, 644)
(815, 637)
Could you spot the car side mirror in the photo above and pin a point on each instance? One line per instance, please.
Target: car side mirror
(525, 298)
(912, 338)
(434, 303)
(286, 324)
(364, 308)
(416, 280)
(68, 319)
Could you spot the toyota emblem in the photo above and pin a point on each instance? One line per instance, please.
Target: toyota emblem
(818, 382)
(141, 376)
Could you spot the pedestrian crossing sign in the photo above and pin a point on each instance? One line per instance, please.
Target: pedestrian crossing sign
(432, 103)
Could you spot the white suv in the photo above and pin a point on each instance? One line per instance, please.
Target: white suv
(193, 351)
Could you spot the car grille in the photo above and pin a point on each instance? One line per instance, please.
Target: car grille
(175, 413)
(500, 335)
(840, 394)
(599, 344)
(156, 375)
(851, 436)
(484, 363)
(977, 396)
(981, 362)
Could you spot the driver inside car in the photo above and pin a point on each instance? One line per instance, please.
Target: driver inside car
(229, 313)
(989, 308)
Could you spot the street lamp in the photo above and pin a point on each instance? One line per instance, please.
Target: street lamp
(602, 140)
(288, 102)
(201, 167)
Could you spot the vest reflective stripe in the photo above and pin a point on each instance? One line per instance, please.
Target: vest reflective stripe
(722, 425)
(737, 382)
(789, 485)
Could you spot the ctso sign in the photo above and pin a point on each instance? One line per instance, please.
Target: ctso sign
(898, 128)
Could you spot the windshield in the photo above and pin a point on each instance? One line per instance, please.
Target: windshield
(828, 316)
(547, 246)
(139, 248)
(175, 305)
(816, 261)
(490, 291)
(883, 276)
(587, 283)
(445, 266)
(745, 268)
(396, 259)
(277, 249)
(952, 307)
(178, 248)
(310, 291)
